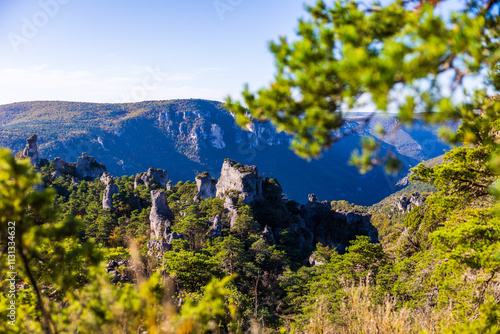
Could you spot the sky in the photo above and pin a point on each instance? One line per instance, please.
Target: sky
(131, 51)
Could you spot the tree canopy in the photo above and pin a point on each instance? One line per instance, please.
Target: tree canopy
(404, 57)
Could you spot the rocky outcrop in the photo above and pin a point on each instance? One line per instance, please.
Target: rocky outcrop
(158, 247)
(106, 178)
(215, 227)
(404, 181)
(314, 222)
(237, 181)
(153, 175)
(333, 228)
(31, 151)
(404, 204)
(59, 164)
(354, 224)
(169, 185)
(303, 236)
(88, 169)
(267, 234)
(107, 197)
(313, 211)
(243, 181)
(230, 206)
(206, 185)
(161, 217)
(63, 167)
(111, 189)
(119, 270)
(315, 260)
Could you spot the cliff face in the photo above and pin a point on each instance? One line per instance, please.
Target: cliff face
(198, 131)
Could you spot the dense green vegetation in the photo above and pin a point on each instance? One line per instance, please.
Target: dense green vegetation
(127, 139)
(347, 54)
(436, 270)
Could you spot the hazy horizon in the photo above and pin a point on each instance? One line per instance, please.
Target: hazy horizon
(159, 50)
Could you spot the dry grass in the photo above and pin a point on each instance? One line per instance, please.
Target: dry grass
(359, 315)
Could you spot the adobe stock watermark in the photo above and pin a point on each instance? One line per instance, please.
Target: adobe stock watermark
(31, 26)
(151, 81)
(11, 274)
(224, 6)
(250, 150)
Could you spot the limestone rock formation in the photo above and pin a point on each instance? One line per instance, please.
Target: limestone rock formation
(157, 247)
(161, 217)
(217, 136)
(242, 180)
(230, 206)
(216, 227)
(152, 175)
(64, 168)
(88, 169)
(31, 151)
(405, 204)
(106, 178)
(59, 164)
(313, 209)
(107, 197)
(111, 189)
(237, 181)
(304, 237)
(206, 186)
(169, 185)
(333, 228)
(355, 224)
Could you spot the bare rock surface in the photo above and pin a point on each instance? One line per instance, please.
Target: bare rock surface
(107, 197)
(242, 180)
(161, 217)
(31, 151)
(157, 247)
(151, 176)
(215, 227)
(88, 168)
(206, 185)
(405, 204)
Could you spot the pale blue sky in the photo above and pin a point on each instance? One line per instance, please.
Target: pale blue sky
(129, 50)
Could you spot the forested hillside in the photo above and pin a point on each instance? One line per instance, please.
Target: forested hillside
(137, 252)
(227, 249)
(187, 137)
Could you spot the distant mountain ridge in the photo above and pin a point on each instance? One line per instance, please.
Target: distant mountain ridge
(187, 137)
